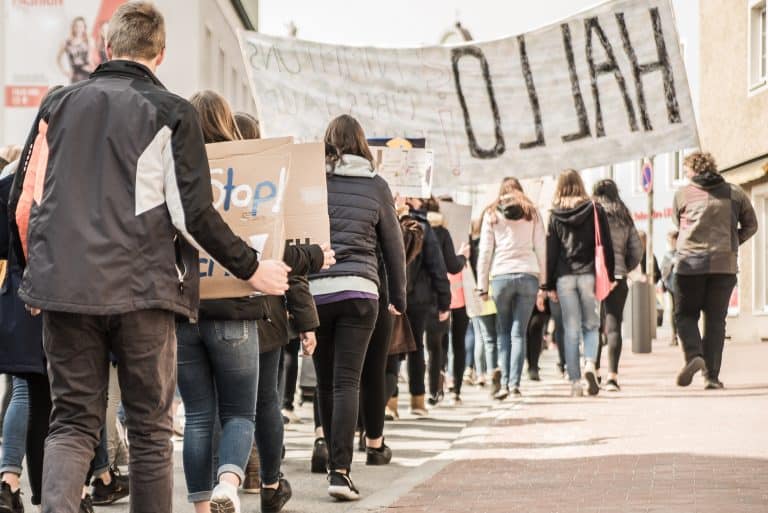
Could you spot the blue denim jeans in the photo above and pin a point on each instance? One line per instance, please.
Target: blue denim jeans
(269, 420)
(581, 316)
(218, 364)
(515, 297)
(15, 428)
(486, 350)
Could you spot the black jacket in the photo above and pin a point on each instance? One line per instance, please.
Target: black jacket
(571, 242)
(453, 263)
(363, 218)
(428, 284)
(276, 316)
(126, 191)
(21, 335)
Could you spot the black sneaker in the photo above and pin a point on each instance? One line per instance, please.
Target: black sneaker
(380, 456)
(117, 488)
(516, 392)
(434, 400)
(320, 457)
(361, 442)
(273, 500)
(533, 375)
(685, 376)
(86, 505)
(612, 386)
(341, 487)
(10, 502)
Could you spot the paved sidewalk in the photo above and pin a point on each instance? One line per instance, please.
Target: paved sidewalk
(652, 448)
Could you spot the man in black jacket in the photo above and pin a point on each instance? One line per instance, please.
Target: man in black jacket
(113, 191)
(429, 296)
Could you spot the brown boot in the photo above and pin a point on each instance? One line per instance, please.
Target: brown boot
(418, 409)
(252, 482)
(390, 412)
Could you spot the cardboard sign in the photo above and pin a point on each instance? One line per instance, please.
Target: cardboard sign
(601, 86)
(283, 184)
(408, 171)
(248, 192)
(458, 220)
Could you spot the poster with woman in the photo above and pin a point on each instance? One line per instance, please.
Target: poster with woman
(65, 47)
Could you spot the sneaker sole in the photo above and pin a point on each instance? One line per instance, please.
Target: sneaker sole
(686, 375)
(103, 502)
(252, 491)
(593, 388)
(341, 493)
(222, 505)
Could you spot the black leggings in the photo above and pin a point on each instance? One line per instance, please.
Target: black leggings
(289, 372)
(37, 430)
(419, 318)
(342, 340)
(459, 325)
(612, 311)
(535, 337)
(373, 389)
(436, 331)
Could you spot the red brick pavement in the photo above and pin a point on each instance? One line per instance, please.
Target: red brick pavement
(652, 448)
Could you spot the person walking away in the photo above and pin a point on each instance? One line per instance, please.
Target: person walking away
(218, 368)
(512, 263)
(150, 200)
(628, 251)
(429, 301)
(668, 279)
(455, 328)
(714, 218)
(363, 218)
(571, 273)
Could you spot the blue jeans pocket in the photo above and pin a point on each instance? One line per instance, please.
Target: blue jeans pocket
(232, 333)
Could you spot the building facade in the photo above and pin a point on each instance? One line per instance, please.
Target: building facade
(734, 128)
(202, 51)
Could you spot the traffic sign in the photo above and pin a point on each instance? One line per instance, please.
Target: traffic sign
(647, 176)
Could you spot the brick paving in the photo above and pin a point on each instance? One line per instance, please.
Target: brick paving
(651, 448)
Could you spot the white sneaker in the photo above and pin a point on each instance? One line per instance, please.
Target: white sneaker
(577, 390)
(291, 416)
(224, 499)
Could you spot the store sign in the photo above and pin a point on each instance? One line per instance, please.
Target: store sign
(47, 43)
(606, 85)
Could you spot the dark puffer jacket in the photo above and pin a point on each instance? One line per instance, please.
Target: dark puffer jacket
(428, 284)
(571, 242)
(363, 217)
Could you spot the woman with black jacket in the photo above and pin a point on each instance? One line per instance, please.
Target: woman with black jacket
(628, 251)
(429, 301)
(571, 273)
(363, 219)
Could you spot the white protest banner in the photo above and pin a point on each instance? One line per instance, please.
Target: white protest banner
(606, 85)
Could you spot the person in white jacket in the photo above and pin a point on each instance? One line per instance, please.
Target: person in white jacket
(511, 264)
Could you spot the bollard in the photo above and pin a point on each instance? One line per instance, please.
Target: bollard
(641, 317)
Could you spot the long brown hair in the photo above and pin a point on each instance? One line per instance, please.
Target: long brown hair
(216, 118)
(511, 193)
(570, 190)
(345, 136)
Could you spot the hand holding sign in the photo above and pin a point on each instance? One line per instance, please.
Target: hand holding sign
(329, 255)
(270, 278)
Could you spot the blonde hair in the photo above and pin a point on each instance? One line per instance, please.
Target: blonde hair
(137, 29)
(73, 34)
(700, 163)
(216, 118)
(511, 192)
(570, 190)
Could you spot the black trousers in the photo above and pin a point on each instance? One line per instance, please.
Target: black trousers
(458, 333)
(37, 430)
(611, 319)
(342, 340)
(373, 389)
(77, 348)
(708, 294)
(289, 372)
(436, 331)
(419, 318)
(535, 337)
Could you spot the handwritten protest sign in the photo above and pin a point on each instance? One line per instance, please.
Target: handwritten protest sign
(407, 171)
(605, 85)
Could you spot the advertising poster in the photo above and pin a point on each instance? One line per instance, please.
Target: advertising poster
(80, 28)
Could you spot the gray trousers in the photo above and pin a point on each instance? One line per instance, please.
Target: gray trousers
(77, 347)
